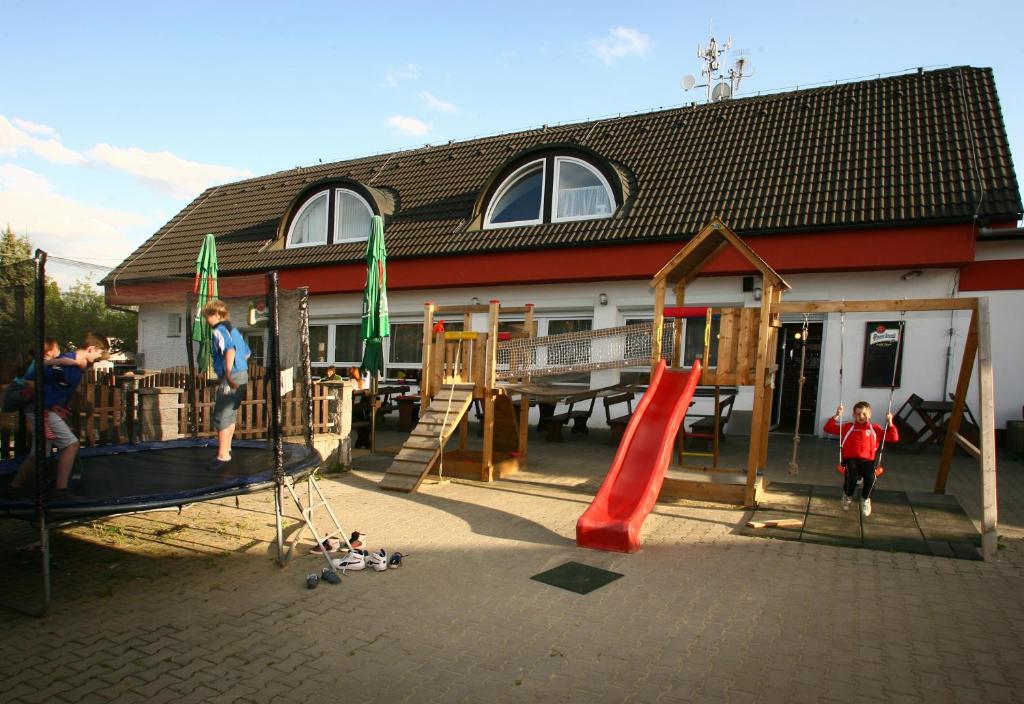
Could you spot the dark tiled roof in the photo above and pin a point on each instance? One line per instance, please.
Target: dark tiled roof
(904, 150)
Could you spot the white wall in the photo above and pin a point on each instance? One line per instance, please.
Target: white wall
(925, 354)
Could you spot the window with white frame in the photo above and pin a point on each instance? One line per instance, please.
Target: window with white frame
(580, 192)
(313, 223)
(348, 346)
(174, 325)
(318, 344)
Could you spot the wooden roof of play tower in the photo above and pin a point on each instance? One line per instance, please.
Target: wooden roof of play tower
(687, 264)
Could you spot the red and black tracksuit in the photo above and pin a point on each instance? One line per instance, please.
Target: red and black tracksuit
(860, 445)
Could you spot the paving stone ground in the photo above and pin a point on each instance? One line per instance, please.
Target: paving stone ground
(192, 608)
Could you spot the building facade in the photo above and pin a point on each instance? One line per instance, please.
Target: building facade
(887, 188)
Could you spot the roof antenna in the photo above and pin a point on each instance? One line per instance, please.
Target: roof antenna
(711, 71)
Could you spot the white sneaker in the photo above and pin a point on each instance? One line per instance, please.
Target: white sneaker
(865, 508)
(847, 500)
(354, 561)
(379, 560)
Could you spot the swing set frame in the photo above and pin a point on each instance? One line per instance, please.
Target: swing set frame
(977, 350)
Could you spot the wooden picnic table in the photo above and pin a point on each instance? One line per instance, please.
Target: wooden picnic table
(935, 415)
(548, 396)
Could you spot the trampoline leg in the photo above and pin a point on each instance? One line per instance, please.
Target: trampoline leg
(277, 520)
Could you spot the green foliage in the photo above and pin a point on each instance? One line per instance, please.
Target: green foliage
(71, 313)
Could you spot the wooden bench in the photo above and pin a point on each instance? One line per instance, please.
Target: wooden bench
(552, 424)
(618, 423)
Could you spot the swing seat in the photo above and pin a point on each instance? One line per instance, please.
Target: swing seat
(879, 470)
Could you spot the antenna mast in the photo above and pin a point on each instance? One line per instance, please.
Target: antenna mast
(711, 70)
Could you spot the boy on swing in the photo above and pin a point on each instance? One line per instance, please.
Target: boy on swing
(859, 442)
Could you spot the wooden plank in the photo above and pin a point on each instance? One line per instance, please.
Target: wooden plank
(967, 446)
(963, 382)
(770, 379)
(416, 454)
(879, 306)
(987, 433)
(744, 346)
(418, 442)
(407, 468)
(728, 324)
(780, 523)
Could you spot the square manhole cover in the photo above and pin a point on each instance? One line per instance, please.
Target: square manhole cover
(577, 577)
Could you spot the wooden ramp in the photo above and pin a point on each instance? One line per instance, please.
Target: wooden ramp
(421, 451)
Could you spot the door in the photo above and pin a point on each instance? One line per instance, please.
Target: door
(787, 384)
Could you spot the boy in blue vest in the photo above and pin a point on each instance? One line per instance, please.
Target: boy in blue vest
(231, 364)
(61, 376)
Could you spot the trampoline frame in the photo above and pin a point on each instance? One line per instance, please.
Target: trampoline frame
(283, 476)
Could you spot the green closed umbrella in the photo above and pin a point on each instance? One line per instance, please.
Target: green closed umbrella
(374, 326)
(205, 290)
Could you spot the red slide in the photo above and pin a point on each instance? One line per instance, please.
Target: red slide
(614, 519)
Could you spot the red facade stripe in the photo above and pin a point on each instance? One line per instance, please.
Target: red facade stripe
(994, 275)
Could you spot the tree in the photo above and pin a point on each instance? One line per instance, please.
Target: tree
(17, 272)
(81, 308)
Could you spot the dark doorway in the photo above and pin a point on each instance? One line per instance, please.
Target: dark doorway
(787, 384)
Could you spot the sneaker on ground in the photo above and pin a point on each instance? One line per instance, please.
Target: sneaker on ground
(379, 560)
(395, 561)
(329, 545)
(865, 508)
(330, 576)
(354, 561)
(312, 580)
(847, 500)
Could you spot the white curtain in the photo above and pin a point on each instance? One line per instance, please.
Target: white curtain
(583, 201)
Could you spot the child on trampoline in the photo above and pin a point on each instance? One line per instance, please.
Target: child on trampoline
(859, 442)
(62, 373)
(231, 364)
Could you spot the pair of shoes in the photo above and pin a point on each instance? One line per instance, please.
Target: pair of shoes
(379, 560)
(847, 500)
(328, 546)
(330, 576)
(355, 561)
(865, 508)
(312, 580)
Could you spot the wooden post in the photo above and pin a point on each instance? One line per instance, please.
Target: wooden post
(677, 329)
(428, 350)
(760, 379)
(772, 351)
(987, 431)
(963, 381)
(658, 322)
(524, 429)
(490, 363)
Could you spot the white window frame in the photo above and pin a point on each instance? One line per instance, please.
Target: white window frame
(298, 216)
(512, 179)
(337, 216)
(591, 169)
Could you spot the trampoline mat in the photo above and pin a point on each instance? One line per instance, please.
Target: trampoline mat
(109, 480)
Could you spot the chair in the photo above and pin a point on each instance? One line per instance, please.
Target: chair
(618, 423)
(909, 435)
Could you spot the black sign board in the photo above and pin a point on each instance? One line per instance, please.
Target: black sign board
(881, 344)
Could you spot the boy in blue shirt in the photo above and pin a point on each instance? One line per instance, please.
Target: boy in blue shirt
(61, 376)
(231, 364)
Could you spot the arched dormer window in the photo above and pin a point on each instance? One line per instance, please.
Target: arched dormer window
(579, 191)
(331, 216)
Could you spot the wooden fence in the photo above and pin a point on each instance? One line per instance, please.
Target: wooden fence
(104, 411)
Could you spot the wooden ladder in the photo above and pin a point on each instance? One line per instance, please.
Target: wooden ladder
(422, 450)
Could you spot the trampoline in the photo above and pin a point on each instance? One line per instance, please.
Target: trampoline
(110, 480)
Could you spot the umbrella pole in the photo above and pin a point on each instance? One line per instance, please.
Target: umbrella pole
(373, 413)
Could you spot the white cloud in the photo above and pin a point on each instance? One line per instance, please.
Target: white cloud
(409, 125)
(620, 43)
(35, 128)
(14, 138)
(435, 103)
(165, 171)
(60, 225)
(409, 72)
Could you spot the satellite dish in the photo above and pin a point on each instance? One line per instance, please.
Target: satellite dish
(721, 92)
(688, 82)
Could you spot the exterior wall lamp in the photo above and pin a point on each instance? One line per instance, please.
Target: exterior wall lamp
(602, 298)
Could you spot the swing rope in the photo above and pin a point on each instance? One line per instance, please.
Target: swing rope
(879, 470)
(842, 355)
(794, 468)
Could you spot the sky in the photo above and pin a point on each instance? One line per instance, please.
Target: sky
(114, 116)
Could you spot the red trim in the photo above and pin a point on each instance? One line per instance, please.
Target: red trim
(685, 312)
(993, 275)
(834, 251)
